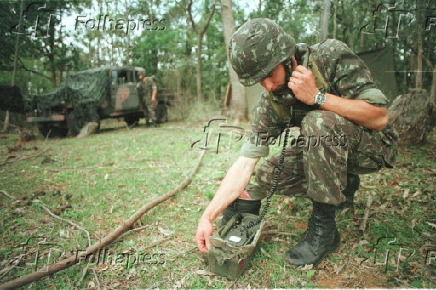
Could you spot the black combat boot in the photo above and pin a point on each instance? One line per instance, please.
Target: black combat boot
(240, 206)
(320, 238)
(353, 182)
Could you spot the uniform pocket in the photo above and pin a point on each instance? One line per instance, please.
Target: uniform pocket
(370, 153)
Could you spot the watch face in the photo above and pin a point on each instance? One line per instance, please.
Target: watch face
(321, 98)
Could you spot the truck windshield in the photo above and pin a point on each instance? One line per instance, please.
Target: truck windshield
(120, 77)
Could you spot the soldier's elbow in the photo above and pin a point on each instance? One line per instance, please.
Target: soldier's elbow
(381, 122)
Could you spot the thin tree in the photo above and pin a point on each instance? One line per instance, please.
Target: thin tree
(200, 30)
(14, 73)
(419, 23)
(238, 103)
(324, 23)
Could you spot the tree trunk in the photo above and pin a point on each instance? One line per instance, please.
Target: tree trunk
(324, 23)
(200, 96)
(14, 73)
(200, 33)
(433, 90)
(51, 54)
(239, 103)
(6, 122)
(335, 16)
(419, 22)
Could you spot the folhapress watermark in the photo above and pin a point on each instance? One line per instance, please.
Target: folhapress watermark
(217, 130)
(107, 23)
(39, 254)
(38, 19)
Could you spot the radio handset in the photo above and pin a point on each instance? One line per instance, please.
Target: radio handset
(302, 56)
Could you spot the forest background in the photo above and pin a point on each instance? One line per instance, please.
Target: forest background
(99, 181)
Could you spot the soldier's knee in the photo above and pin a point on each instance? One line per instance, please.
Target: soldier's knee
(264, 173)
(319, 122)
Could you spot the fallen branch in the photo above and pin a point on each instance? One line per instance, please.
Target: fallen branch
(84, 272)
(15, 262)
(23, 158)
(133, 230)
(157, 243)
(53, 215)
(275, 232)
(11, 125)
(66, 263)
(8, 195)
(68, 222)
(362, 226)
(96, 279)
(7, 270)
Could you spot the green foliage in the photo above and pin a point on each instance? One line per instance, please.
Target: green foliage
(310, 273)
(364, 26)
(165, 53)
(298, 18)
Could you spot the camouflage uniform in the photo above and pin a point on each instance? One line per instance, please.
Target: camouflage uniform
(145, 89)
(316, 164)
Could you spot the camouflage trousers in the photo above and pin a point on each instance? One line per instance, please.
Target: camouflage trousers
(150, 111)
(316, 162)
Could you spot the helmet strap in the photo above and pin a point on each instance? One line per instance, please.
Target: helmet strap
(285, 90)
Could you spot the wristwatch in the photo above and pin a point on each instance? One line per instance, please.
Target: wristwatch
(320, 99)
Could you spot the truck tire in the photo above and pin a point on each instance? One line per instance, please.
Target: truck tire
(131, 120)
(49, 131)
(77, 120)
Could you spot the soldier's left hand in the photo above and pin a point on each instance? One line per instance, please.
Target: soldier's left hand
(302, 83)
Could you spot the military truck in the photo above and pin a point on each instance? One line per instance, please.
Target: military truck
(90, 96)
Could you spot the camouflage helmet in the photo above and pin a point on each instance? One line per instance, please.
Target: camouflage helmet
(257, 47)
(142, 73)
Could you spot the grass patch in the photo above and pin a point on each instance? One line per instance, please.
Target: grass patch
(99, 181)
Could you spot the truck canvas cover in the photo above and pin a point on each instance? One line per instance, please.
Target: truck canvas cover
(88, 87)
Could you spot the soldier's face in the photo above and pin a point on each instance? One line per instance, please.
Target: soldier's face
(276, 80)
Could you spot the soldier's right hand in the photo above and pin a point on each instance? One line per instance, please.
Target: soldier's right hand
(204, 231)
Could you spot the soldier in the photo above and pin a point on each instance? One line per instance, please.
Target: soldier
(147, 90)
(336, 99)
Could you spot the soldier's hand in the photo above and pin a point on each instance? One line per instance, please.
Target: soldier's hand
(302, 83)
(153, 100)
(204, 231)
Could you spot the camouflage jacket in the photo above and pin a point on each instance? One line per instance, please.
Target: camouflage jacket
(337, 71)
(145, 88)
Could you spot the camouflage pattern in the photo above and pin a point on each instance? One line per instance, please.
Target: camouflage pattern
(319, 171)
(233, 247)
(317, 162)
(264, 41)
(145, 89)
(110, 91)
